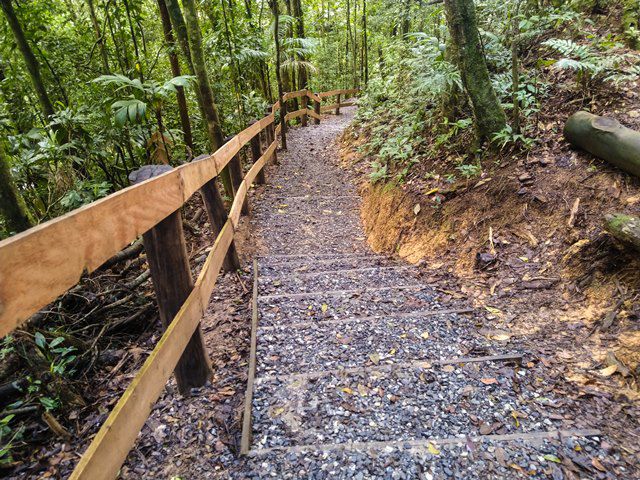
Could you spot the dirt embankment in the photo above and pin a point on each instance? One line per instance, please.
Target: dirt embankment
(525, 241)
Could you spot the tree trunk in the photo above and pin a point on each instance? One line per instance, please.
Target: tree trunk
(209, 108)
(32, 64)
(276, 19)
(487, 111)
(624, 228)
(302, 71)
(604, 137)
(205, 97)
(99, 37)
(365, 43)
(183, 110)
(179, 26)
(14, 211)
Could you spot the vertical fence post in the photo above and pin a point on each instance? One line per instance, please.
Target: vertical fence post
(166, 253)
(338, 106)
(270, 135)
(214, 205)
(304, 103)
(316, 108)
(235, 170)
(256, 152)
(283, 124)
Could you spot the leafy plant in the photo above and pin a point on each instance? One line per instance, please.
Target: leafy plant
(8, 445)
(469, 170)
(84, 192)
(591, 65)
(59, 357)
(507, 137)
(378, 172)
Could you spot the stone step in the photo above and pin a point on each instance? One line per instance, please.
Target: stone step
(495, 457)
(297, 266)
(366, 342)
(341, 304)
(292, 244)
(370, 277)
(406, 404)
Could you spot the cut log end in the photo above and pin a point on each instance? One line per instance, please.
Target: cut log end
(625, 228)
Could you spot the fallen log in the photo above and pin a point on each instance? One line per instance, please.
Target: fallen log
(604, 137)
(625, 228)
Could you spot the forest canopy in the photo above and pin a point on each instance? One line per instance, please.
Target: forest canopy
(93, 89)
(452, 95)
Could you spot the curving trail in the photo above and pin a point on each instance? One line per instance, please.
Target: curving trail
(362, 371)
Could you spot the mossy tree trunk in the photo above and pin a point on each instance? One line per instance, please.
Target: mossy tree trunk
(12, 207)
(208, 105)
(33, 67)
(463, 28)
(625, 228)
(630, 21)
(276, 36)
(606, 138)
(181, 99)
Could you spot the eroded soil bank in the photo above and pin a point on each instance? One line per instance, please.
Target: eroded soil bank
(514, 243)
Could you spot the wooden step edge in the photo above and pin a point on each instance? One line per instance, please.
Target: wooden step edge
(245, 441)
(424, 443)
(368, 318)
(333, 272)
(426, 363)
(334, 293)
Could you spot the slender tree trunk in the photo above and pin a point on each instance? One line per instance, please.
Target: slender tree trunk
(12, 207)
(99, 37)
(209, 108)
(347, 56)
(515, 70)
(487, 111)
(406, 17)
(180, 28)
(183, 110)
(235, 68)
(302, 71)
(138, 66)
(276, 34)
(32, 64)
(365, 42)
(121, 63)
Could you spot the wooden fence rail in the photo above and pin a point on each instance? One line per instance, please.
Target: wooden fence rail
(38, 265)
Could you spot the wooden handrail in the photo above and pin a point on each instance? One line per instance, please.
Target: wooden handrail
(82, 240)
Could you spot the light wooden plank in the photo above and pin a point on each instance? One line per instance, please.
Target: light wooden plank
(275, 107)
(236, 206)
(330, 93)
(296, 94)
(296, 114)
(326, 108)
(314, 97)
(313, 114)
(110, 447)
(38, 265)
(245, 442)
(207, 282)
(278, 130)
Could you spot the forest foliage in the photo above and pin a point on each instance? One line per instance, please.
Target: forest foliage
(90, 90)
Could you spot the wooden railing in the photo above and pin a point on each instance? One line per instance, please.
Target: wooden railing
(38, 265)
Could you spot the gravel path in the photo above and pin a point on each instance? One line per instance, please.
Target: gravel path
(365, 372)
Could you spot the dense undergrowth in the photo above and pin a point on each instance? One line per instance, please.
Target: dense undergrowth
(516, 225)
(418, 122)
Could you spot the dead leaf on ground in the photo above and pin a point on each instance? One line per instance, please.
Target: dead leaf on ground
(489, 381)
